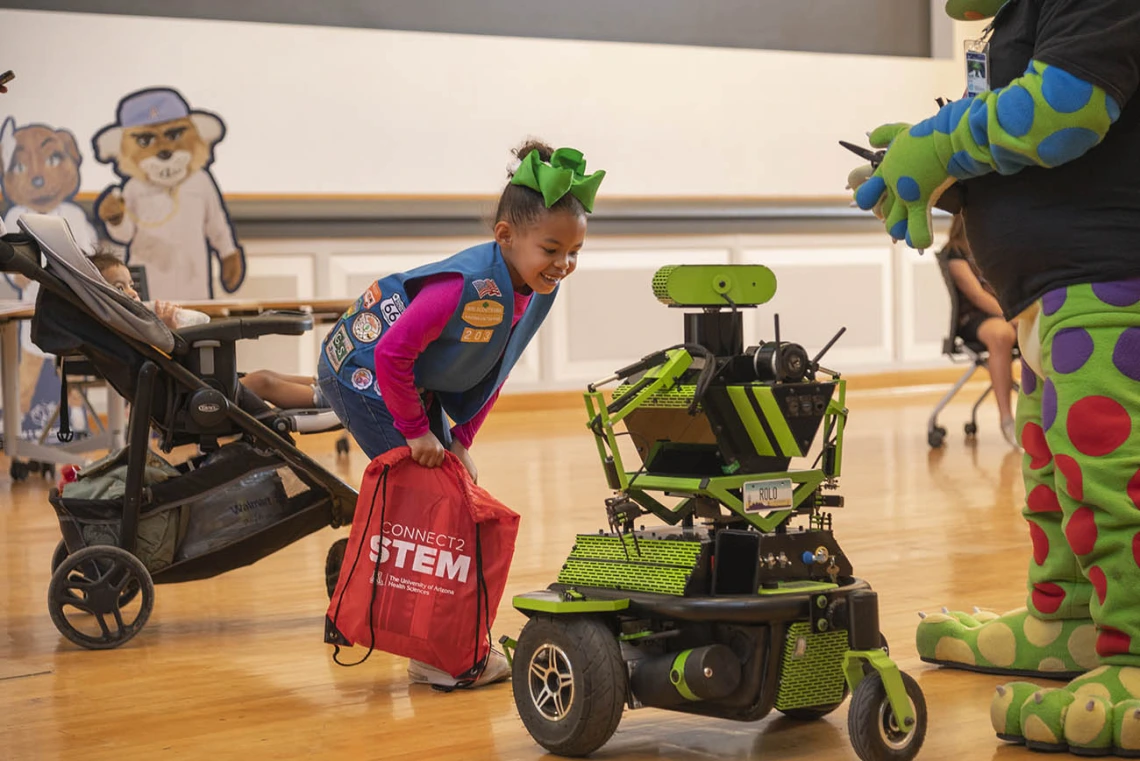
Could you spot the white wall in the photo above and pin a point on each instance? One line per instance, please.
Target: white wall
(325, 110)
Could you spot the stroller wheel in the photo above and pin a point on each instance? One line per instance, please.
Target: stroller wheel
(333, 561)
(102, 582)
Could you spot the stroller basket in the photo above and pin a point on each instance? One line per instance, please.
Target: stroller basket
(223, 511)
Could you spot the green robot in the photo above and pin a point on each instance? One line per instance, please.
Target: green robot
(738, 599)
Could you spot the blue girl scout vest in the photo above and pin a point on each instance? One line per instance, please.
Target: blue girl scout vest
(472, 356)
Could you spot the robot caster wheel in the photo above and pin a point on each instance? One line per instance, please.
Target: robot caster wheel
(569, 683)
(874, 732)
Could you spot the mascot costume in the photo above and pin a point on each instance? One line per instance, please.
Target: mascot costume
(168, 212)
(1045, 165)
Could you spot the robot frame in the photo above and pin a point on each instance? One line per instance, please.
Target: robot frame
(726, 610)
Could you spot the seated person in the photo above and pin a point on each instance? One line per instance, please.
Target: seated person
(980, 320)
(285, 391)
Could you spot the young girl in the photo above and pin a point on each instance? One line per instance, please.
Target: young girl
(280, 390)
(980, 321)
(438, 342)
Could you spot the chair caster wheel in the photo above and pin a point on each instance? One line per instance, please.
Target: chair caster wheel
(342, 445)
(935, 437)
(971, 429)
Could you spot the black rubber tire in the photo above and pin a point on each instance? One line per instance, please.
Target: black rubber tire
(58, 555)
(871, 724)
(111, 577)
(333, 561)
(587, 651)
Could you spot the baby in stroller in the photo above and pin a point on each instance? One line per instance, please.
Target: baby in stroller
(279, 389)
(157, 525)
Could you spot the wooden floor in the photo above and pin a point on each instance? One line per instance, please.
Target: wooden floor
(235, 667)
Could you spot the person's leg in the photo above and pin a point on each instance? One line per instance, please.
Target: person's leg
(999, 338)
(1090, 349)
(284, 391)
(367, 420)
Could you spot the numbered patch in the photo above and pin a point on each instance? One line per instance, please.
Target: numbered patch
(486, 287)
(476, 335)
(483, 314)
(371, 296)
(391, 308)
(361, 378)
(366, 327)
(338, 346)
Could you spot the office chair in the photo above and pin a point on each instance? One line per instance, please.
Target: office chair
(958, 350)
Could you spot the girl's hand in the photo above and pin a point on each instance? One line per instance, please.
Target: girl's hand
(464, 456)
(427, 451)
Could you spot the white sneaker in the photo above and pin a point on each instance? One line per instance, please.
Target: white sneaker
(496, 670)
(1009, 431)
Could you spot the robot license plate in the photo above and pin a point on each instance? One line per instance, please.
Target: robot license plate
(766, 496)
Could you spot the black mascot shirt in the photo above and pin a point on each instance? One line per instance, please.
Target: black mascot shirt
(1041, 229)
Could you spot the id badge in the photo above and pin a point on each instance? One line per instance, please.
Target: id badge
(977, 67)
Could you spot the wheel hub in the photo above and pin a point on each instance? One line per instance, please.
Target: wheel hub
(551, 682)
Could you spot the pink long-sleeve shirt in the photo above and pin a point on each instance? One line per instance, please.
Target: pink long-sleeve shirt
(396, 352)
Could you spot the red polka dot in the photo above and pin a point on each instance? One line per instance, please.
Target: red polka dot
(1098, 425)
(1074, 481)
(1033, 442)
(1081, 531)
(1111, 641)
(1134, 488)
(1047, 597)
(1043, 500)
(1040, 543)
(1099, 582)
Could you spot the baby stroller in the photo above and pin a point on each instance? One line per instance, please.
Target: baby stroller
(137, 520)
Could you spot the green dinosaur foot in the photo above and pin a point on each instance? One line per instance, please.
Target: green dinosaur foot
(1015, 643)
(1095, 714)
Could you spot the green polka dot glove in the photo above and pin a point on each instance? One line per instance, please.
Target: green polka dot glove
(1045, 118)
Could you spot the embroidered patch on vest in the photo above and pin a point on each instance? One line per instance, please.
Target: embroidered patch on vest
(391, 308)
(476, 335)
(338, 347)
(366, 327)
(353, 308)
(483, 314)
(486, 287)
(361, 378)
(371, 296)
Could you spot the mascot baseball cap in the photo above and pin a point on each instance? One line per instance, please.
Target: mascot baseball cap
(152, 107)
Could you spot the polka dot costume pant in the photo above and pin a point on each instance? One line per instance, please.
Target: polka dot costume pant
(1082, 463)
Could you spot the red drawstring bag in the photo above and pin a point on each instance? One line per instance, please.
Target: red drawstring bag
(439, 547)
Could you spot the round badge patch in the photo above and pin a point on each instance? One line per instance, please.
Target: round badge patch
(361, 378)
(366, 327)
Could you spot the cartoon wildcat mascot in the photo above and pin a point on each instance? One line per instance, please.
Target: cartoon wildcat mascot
(39, 173)
(168, 212)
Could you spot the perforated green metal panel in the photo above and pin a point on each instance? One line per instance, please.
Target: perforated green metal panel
(679, 397)
(812, 672)
(661, 283)
(653, 565)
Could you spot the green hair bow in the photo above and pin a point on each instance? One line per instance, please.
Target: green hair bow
(973, 10)
(566, 173)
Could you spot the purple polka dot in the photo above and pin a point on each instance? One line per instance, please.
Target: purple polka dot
(1052, 301)
(1048, 404)
(1072, 347)
(1122, 293)
(1028, 379)
(1126, 355)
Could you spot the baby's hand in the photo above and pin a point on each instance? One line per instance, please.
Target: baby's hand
(166, 312)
